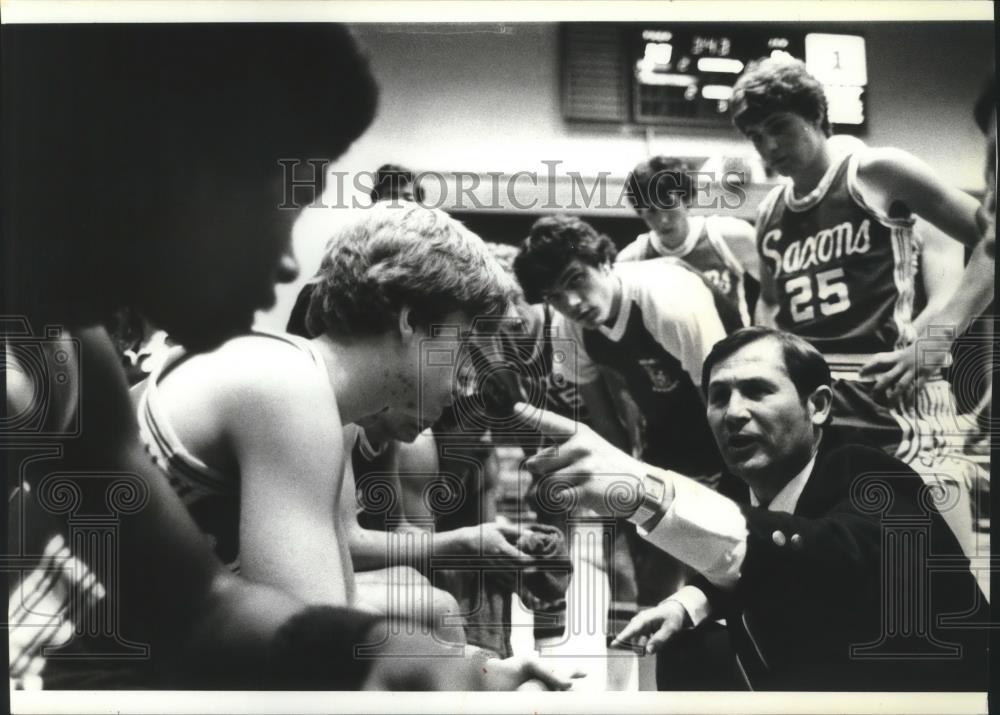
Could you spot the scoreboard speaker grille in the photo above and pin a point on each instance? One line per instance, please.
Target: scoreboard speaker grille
(593, 73)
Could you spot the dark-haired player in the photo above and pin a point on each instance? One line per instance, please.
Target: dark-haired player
(652, 322)
(194, 242)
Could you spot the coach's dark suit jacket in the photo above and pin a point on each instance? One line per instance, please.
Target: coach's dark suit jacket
(865, 562)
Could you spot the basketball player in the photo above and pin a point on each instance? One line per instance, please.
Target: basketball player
(255, 434)
(979, 441)
(838, 266)
(653, 322)
(721, 248)
(117, 241)
(391, 183)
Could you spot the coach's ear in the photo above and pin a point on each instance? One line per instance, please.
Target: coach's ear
(820, 402)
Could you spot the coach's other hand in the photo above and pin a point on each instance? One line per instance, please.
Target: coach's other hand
(653, 627)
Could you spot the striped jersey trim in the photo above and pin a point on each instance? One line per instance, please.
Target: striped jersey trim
(804, 203)
(40, 610)
(905, 253)
(905, 257)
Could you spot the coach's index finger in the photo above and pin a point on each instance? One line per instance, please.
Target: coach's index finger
(548, 424)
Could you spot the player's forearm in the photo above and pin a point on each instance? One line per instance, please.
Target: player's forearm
(409, 546)
(973, 296)
(371, 549)
(931, 315)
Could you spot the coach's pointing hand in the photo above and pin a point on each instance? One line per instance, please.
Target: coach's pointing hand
(582, 468)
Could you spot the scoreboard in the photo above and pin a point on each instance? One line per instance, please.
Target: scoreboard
(683, 73)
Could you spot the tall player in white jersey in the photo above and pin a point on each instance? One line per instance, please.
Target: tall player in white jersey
(839, 266)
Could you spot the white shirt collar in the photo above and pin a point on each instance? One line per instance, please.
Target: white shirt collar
(788, 498)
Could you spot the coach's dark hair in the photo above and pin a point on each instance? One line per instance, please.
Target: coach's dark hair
(658, 183)
(390, 180)
(771, 85)
(806, 367)
(553, 243)
(986, 104)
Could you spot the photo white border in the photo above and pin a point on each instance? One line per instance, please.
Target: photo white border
(516, 11)
(589, 703)
(22, 11)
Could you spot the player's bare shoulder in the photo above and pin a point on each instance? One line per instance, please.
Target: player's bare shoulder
(739, 235)
(732, 227)
(882, 166)
(277, 367)
(249, 374)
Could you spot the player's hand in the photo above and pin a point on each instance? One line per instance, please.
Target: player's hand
(525, 673)
(899, 373)
(582, 467)
(895, 374)
(651, 628)
(493, 541)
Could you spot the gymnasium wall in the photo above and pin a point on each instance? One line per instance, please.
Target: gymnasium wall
(485, 98)
(454, 98)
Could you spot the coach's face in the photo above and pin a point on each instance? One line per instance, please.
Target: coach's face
(766, 432)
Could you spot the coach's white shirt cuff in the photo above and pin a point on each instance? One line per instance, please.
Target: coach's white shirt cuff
(694, 601)
(703, 529)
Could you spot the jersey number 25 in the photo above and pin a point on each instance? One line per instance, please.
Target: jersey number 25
(827, 290)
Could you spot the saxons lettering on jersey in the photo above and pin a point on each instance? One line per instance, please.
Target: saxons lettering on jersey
(825, 246)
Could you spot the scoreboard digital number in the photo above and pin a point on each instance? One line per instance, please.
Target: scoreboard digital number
(684, 74)
(838, 61)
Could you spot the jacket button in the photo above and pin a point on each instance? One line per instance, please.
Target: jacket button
(778, 538)
(796, 541)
